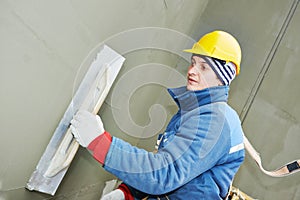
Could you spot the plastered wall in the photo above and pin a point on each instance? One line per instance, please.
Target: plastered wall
(44, 43)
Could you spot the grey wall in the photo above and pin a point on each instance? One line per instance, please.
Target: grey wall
(44, 43)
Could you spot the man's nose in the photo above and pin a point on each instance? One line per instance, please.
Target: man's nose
(191, 70)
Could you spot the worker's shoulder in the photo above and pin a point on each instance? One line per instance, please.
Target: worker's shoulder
(226, 110)
(220, 109)
(231, 121)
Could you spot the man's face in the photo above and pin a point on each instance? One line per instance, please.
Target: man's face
(200, 75)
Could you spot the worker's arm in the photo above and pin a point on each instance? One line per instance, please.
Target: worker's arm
(198, 145)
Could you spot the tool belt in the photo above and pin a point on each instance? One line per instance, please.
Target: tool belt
(233, 194)
(236, 194)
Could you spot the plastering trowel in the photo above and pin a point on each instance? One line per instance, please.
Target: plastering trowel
(62, 147)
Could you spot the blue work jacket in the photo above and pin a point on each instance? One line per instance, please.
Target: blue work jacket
(200, 151)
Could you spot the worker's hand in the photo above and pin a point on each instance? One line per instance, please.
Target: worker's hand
(85, 127)
(114, 195)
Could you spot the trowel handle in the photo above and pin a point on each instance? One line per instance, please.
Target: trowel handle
(69, 146)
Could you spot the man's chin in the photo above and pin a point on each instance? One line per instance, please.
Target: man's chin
(189, 87)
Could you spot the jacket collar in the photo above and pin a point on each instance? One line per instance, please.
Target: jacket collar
(188, 100)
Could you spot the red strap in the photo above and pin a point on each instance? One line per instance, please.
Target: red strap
(100, 146)
(126, 191)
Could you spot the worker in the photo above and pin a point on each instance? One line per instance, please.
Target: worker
(202, 147)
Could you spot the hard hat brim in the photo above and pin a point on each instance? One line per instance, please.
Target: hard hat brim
(198, 51)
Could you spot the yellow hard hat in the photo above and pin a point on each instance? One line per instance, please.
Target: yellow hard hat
(220, 45)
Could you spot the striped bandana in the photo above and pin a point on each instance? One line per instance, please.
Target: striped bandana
(226, 72)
